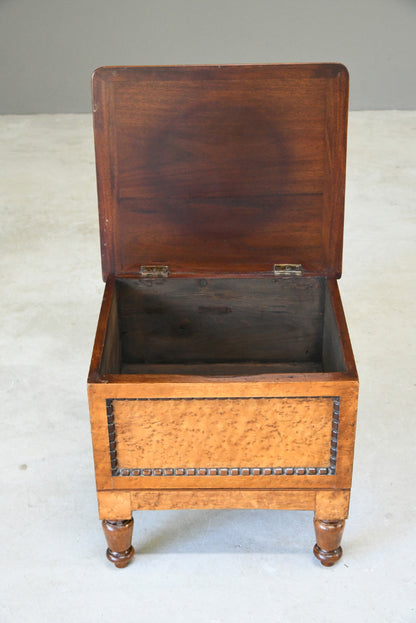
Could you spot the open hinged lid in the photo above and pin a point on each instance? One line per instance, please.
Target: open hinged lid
(218, 170)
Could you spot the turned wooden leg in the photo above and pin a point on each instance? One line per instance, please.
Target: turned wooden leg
(328, 541)
(118, 535)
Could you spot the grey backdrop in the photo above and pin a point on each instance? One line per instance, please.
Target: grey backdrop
(48, 48)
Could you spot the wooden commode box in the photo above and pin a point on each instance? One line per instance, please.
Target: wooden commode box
(222, 374)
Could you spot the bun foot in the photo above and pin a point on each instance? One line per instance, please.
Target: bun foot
(120, 559)
(327, 558)
(118, 535)
(328, 548)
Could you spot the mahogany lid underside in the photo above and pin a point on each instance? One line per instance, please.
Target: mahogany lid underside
(218, 170)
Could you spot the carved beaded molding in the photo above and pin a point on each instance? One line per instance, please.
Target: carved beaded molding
(330, 470)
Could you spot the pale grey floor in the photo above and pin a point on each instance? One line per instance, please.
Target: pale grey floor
(206, 567)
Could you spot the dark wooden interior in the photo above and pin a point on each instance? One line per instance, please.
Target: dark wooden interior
(219, 173)
(222, 326)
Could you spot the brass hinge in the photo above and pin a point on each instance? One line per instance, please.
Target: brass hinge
(156, 272)
(287, 269)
